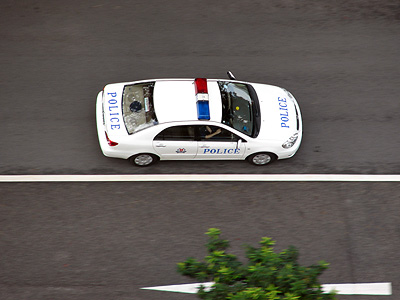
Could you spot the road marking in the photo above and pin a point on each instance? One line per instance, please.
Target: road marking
(190, 288)
(379, 288)
(202, 177)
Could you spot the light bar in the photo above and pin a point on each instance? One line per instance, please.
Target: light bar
(201, 86)
(203, 108)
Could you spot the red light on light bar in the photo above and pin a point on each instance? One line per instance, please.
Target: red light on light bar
(201, 86)
(110, 142)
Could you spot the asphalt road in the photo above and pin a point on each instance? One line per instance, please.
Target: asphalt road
(106, 240)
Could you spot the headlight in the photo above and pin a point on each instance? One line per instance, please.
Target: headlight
(291, 141)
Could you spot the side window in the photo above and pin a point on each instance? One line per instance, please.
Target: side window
(217, 134)
(176, 133)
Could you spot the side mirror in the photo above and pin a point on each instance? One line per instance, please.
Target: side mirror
(231, 76)
(239, 143)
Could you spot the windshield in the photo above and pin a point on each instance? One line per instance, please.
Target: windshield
(137, 106)
(237, 107)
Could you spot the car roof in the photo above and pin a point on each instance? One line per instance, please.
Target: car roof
(175, 100)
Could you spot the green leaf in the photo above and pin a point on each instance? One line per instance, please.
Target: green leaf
(266, 276)
(213, 232)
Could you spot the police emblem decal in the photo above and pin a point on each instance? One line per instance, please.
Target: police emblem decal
(181, 150)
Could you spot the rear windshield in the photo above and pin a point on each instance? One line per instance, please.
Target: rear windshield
(137, 106)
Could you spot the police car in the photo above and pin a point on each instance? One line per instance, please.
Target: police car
(197, 119)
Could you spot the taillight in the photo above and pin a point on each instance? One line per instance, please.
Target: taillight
(110, 142)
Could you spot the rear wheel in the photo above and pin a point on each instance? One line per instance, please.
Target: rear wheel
(261, 159)
(143, 159)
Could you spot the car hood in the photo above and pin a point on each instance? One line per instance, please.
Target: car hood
(279, 112)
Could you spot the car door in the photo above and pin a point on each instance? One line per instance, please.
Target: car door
(219, 143)
(176, 142)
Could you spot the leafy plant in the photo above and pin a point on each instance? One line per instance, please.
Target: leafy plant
(267, 275)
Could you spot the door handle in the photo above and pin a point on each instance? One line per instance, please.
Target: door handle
(161, 145)
(204, 146)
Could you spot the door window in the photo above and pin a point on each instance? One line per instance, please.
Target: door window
(216, 134)
(176, 133)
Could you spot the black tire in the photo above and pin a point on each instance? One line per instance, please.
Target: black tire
(143, 159)
(261, 159)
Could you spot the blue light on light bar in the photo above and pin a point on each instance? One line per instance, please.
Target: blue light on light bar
(203, 110)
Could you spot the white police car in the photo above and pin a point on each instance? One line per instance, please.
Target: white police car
(197, 119)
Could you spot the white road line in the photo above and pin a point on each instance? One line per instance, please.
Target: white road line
(202, 177)
(190, 288)
(379, 288)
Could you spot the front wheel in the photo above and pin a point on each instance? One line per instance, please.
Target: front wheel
(261, 159)
(143, 159)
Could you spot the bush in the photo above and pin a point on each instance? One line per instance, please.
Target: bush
(267, 275)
